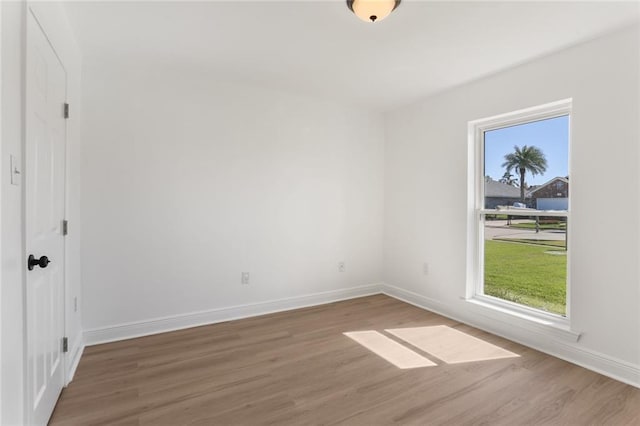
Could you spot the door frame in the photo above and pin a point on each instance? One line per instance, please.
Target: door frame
(28, 14)
(2, 170)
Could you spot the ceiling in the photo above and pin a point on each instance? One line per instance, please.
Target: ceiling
(320, 48)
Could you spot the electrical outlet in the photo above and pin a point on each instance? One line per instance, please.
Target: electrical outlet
(75, 304)
(425, 268)
(341, 267)
(245, 278)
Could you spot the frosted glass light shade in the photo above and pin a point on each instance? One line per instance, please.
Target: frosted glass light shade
(372, 10)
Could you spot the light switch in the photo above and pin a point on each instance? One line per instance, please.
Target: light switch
(16, 173)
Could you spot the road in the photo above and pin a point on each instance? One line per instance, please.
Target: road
(499, 229)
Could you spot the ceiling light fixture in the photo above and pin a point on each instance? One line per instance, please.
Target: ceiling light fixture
(372, 10)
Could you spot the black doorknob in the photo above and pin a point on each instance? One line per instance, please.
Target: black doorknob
(42, 262)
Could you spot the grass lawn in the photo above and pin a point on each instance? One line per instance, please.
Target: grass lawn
(525, 274)
(496, 217)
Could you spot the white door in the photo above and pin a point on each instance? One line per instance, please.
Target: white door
(44, 192)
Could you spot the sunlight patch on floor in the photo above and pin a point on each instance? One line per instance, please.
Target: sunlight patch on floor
(450, 345)
(389, 349)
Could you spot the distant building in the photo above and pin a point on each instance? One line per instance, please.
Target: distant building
(499, 194)
(553, 195)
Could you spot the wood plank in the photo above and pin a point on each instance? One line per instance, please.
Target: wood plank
(397, 354)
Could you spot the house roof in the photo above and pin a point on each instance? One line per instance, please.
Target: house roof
(494, 188)
(539, 187)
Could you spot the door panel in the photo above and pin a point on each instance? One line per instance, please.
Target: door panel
(44, 193)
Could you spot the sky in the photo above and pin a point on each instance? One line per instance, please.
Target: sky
(551, 136)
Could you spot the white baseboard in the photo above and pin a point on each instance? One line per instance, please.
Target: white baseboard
(178, 322)
(616, 369)
(74, 361)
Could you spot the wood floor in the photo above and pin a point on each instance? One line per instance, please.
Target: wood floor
(297, 368)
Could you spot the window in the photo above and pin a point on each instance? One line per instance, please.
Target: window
(520, 211)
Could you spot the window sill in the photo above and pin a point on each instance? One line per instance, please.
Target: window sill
(555, 327)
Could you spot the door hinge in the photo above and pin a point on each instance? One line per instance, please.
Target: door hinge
(66, 110)
(65, 344)
(65, 227)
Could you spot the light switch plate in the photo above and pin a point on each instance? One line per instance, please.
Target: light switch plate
(16, 173)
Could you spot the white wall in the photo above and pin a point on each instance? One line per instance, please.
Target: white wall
(54, 22)
(426, 194)
(188, 181)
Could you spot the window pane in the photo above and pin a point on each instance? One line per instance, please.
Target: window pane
(525, 257)
(525, 266)
(527, 165)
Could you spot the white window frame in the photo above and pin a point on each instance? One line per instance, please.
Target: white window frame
(492, 306)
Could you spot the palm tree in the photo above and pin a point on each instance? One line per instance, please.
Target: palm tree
(508, 179)
(526, 159)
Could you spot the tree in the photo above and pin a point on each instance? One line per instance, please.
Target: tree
(508, 179)
(526, 159)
